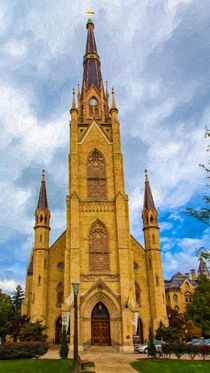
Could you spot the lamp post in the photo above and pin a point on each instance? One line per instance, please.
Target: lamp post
(75, 285)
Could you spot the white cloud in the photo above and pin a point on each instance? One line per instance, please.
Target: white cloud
(15, 49)
(184, 259)
(9, 285)
(164, 226)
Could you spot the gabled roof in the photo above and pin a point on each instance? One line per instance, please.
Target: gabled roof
(177, 280)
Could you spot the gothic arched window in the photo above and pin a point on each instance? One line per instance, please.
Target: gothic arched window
(98, 248)
(138, 292)
(188, 297)
(60, 294)
(96, 174)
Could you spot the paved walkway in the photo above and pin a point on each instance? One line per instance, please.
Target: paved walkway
(106, 359)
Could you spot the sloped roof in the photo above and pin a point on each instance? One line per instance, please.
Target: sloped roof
(177, 280)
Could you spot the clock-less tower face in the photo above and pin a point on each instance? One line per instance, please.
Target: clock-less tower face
(93, 101)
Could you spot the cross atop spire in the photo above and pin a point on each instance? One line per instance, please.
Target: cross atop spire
(89, 11)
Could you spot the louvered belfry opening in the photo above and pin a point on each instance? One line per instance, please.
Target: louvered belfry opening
(96, 173)
(98, 248)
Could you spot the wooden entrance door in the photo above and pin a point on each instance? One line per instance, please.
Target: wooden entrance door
(100, 326)
(58, 330)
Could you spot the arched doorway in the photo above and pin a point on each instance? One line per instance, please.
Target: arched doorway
(100, 326)
(58, 330)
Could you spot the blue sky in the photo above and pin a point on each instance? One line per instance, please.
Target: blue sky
(156, 54)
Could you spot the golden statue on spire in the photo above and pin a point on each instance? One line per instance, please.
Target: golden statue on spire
(89, 11)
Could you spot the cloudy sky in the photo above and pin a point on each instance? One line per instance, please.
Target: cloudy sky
(156, 54)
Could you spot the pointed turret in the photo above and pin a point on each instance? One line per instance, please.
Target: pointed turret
(39, 257)
(153, 259)
(42, 202)
(73, 110)
(149, 214)
(113, 107)
(148, 199)
(202, 269)
(42, 213)
(91, 64)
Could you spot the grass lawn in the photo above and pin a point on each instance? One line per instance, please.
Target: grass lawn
(171, 366)
(37, 366)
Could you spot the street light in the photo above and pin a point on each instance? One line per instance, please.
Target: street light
(75, 285)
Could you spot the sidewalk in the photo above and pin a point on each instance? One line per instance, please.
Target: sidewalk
(106, 359)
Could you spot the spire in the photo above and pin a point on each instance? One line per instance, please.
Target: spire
(113, 107)
(42, 203)
(73, 106)
(91, 61)
(148, 199)
(107, 93)
(78, 91)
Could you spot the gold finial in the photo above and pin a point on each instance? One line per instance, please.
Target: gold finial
(43, 175)
(146, 176)
(90, 12)
(78, 90)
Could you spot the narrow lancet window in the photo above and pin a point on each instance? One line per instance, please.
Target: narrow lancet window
(96, 174)
(98, 248)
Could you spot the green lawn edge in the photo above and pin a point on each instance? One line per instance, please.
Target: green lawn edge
(171, 366)
(39, 366)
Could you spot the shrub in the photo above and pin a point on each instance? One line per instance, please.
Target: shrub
(11, 351)
(151, 346)
(64, 349)
(33, 332)
(174, 348)
(179, 349)
(204, 351)
(168, 349)
(191, 350)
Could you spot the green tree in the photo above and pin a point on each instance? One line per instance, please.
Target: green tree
(17, 299)
(15, 326)
(6, 312)
(202, 214)
(64, 349)
(33, 332)
(151, 346)
(199, 310)
(168, 334)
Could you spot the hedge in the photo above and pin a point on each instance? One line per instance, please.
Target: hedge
(23, 350)
(180, 349)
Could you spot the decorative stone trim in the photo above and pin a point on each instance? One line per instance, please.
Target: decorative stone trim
(97, 207)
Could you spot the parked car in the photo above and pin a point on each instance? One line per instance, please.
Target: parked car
(144, 348)
(199, 342)
(207, 341)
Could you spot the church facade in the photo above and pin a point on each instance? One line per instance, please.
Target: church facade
(121, 291)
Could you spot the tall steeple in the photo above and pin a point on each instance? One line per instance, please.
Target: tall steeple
(91, 61)
(93, 103)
